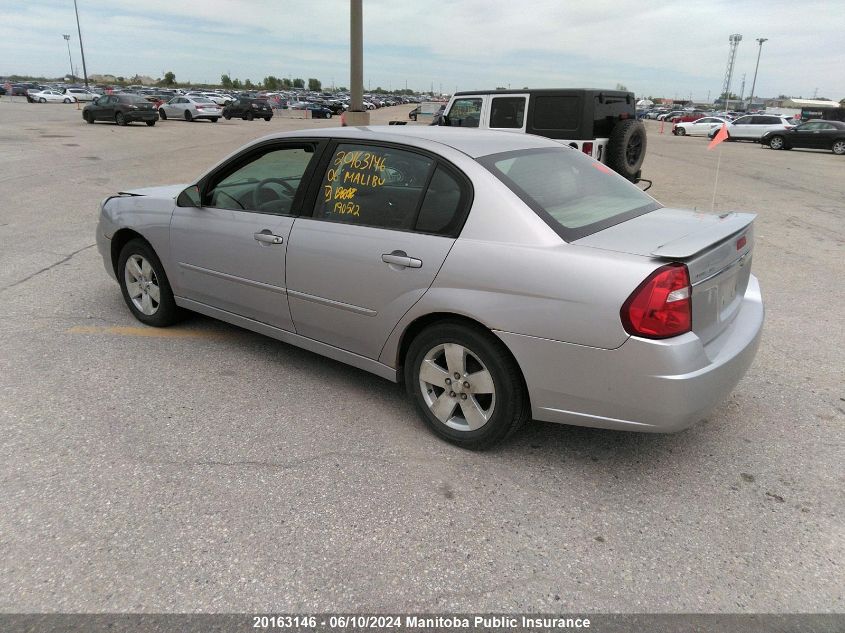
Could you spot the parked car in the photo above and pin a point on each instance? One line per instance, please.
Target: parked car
(687, 116)
(248, 108)
(190, 109)
(318, 111)
(668, 116)
(122, 109)
(751, 127)
(51, 96)
(599, 123)
(81, 94)
(507, 276)
(699, 127)
(814, 134)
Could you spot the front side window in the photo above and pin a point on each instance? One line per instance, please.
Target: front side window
(743, 120)
(507, 112)
(465, 113)
(574, 194)
(373, 186)
(267, 183)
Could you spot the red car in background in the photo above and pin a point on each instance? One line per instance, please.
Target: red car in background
(688, 117)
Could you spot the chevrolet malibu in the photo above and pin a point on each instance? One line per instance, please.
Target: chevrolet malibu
(502, 277)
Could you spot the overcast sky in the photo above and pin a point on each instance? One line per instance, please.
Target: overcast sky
(654, 47)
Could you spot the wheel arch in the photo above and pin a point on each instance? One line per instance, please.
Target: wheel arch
(422, 322)
(120, 239)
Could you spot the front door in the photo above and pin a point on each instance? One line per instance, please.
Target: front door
(230, 251)
(383, 223)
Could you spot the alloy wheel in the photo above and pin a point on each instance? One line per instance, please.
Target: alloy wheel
(142, 284)
(457, 387)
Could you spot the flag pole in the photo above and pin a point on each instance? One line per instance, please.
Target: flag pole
(716, 181)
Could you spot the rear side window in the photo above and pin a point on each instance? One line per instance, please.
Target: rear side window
(557, 113)
(373, 186)
(507, 112)
(390, 188)
(441, 210)
(572, 193)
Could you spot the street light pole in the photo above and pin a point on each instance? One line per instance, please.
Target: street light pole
(356, 115)
(81, 50)
(760, 41)
(69, 58)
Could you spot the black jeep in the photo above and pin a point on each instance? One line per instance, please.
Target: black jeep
(601, 123)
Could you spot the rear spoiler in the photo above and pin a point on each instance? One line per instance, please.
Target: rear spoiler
(688, 245)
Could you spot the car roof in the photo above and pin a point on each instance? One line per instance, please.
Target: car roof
(472, 142)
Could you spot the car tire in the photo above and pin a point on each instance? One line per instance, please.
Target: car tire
(120, 119)
(150, 123)
(66, 101)
(249, 116)
(227, 116)
(626, 148)
(188, 116)
(488, 411)
(42, 100)
(162, 114)
(88, 117)
(681, 131)
(267, 118)
(328, 115)
(838, 148)
(776, 142)
(213, 119)
(142, 279)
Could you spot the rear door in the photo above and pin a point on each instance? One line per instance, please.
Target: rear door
(744, 127)
(384, 220)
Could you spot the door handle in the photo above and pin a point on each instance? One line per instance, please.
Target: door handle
(400, 258)
(268, 238)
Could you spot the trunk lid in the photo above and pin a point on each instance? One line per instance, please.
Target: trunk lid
(716, 249)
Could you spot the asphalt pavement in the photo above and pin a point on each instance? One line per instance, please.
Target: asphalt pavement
(206, 468)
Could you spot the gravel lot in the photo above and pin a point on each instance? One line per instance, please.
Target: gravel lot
(205, 468)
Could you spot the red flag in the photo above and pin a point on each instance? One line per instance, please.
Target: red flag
(721, 135)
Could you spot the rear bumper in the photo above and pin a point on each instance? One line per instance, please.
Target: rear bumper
(141, 115)
(644, 385)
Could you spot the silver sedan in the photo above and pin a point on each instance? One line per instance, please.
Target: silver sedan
(190, 109)
(501, 277)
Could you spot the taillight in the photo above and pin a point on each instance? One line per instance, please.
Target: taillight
(661, 306)
(587, 148)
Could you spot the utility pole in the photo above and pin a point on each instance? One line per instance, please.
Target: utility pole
(742, 89)
(356, 115)
(69, 58)
(760, 41)
(81, 50)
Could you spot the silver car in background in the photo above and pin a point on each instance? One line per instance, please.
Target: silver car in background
(501, 277)
(190, 109)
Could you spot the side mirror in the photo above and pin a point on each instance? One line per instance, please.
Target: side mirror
(190, 197)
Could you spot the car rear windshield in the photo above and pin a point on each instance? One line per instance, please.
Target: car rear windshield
(201, 100)
(574, 194)
(133, 99)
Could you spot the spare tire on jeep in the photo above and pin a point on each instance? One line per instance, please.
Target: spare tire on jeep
(626, 148)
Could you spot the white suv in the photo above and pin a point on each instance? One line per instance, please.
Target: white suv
(751, 127)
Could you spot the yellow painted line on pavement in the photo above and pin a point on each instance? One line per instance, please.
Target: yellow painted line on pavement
(152, 332)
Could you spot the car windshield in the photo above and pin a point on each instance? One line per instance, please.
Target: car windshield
(573, 193)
